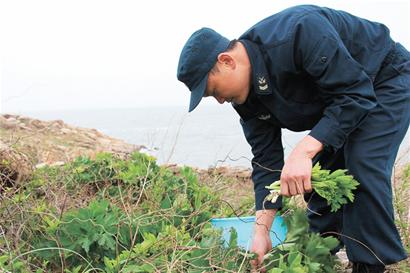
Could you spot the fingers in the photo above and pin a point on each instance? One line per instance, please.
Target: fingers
(254, 264)
(291, 186)
(260, 260)
(257, 263)
(284, 187)
(307, 184)
(296, 173)
(261, 245)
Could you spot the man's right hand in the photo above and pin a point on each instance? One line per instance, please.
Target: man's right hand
(261, 244)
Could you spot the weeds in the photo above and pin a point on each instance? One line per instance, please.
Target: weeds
(130, 215)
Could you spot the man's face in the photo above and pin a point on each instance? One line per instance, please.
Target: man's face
(229, 83)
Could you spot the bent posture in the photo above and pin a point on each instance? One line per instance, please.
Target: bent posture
(341, 77)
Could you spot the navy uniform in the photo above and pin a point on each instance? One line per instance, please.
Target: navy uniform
(344, 79)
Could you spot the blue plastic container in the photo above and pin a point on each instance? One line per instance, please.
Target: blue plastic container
(244, 226)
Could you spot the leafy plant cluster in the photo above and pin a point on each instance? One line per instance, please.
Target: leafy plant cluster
(302, 251)
(130, 215)
(336, 187)
(140, 218)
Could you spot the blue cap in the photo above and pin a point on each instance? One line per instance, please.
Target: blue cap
(197, 58)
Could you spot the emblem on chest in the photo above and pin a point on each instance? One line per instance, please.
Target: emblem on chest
(263, 85)
(264, 117)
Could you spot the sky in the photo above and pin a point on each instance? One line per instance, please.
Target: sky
(87, 54)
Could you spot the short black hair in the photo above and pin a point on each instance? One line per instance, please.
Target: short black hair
(232, 44)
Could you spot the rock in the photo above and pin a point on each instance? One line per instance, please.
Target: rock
(58, 163)
(58, 123)
(14, 166)
(97, 133)
(9, 116)
(10, 125)
(11, 119)
(54, 141)
(87, 144)
(9, 122)
(42, 165)
(37, 124)
(25, 128)
(24, 120)
(91, 135)
(65, 131)
(3, 121)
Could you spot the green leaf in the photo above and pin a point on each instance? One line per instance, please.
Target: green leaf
(147, 268)
(276, 270)
(297, 225)
(233, 238)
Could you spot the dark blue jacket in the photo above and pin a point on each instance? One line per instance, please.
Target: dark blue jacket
(312, 69)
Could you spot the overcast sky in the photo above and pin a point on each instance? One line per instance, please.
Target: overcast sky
(98, 54)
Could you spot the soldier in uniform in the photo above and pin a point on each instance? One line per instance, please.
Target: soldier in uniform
(341, 77)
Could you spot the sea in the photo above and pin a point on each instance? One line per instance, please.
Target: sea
(210, 136)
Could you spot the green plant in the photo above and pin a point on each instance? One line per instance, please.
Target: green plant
(137, 169)
(93, 232)
(336, 187)
(86, 170)
(6, 264)
(141, 218)
(302, 250)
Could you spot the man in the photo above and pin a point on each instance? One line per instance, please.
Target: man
(318, 69)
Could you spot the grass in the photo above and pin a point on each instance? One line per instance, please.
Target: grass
(401, 202)
(31, 209)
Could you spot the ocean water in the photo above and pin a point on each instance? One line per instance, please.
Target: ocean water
(208, 136)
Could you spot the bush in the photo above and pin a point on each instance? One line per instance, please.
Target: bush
(131, 215)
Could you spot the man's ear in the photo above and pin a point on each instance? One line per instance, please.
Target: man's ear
(226, 59)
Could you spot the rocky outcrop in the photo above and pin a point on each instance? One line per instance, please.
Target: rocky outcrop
(26, 143)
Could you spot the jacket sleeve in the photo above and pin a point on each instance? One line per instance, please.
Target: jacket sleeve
(266, 143)
(342, 82)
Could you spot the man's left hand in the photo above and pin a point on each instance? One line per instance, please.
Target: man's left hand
(297, 171)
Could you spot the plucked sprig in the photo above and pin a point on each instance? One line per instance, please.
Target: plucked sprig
(336, 187)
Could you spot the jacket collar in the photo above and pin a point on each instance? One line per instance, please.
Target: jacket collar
(260, 76)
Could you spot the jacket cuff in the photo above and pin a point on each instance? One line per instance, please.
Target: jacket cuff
(327, 132)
